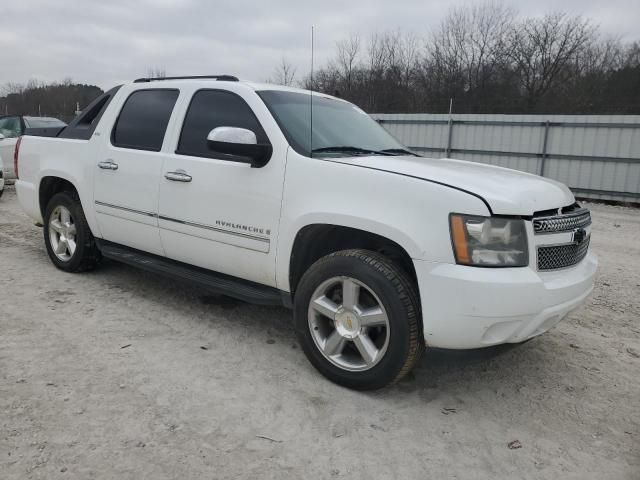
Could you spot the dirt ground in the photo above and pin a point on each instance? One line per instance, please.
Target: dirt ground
(122, 374)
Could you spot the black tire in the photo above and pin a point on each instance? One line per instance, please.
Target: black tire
(398, 296)
(87, 255)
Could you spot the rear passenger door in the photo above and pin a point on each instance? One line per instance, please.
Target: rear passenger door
(225, 216)
(128, 169)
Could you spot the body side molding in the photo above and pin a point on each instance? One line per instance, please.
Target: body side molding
(259, 238)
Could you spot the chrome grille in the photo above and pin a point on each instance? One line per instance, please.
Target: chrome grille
(553, 257)
(562, 223)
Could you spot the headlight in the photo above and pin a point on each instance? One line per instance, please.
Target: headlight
(489, 241)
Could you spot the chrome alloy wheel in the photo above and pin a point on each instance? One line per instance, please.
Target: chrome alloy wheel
(348, 323)
(62, 233)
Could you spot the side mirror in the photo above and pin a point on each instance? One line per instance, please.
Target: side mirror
(241, 143)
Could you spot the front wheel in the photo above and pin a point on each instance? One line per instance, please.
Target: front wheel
(70, 244)
(358, 319)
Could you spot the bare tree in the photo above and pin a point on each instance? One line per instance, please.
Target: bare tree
(471, 44)
(632, 55)
(347, 59)
(409, 57)
(283, 74)
(11, 87)
(544, 48)
(57, 99)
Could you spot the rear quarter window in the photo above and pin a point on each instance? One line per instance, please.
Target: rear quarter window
(83, 126)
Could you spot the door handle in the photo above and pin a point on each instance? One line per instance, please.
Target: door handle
(178, 176)
(108, 165)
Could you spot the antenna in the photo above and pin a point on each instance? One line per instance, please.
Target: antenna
(311, 102)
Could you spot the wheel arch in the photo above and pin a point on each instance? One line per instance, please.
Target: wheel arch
(49, 186)
(52, 182)
(314, 241)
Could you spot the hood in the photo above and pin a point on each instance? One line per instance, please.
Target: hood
(508, 192)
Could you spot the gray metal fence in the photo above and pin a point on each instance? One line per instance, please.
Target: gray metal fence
(597, 156)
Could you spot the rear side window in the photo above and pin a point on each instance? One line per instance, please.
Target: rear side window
(143, 119)
(215, 108)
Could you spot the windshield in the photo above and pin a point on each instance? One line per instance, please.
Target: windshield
(339, 128)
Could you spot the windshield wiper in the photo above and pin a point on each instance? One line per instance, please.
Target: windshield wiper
(399, 151)
(350, 149)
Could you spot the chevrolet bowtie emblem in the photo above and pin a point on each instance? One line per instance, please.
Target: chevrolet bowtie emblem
(579, 235)
(348, 322)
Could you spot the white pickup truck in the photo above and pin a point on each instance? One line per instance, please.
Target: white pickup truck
(380, 252)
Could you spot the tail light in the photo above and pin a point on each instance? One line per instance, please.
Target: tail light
(16, 152)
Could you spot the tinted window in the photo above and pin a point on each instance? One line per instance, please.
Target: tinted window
(143, 120)
(210, 109)
(10, 127)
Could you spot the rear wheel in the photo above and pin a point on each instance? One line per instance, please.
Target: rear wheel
(358, 319)
(70, 244)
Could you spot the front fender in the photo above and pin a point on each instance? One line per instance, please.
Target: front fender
(413, 213)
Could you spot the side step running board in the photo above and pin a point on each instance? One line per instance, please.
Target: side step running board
(244, 290)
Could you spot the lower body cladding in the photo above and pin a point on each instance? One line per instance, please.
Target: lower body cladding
(470, 307)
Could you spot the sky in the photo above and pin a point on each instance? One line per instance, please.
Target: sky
(109, 42)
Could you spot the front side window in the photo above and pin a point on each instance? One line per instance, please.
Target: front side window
(339, 127)
(143, 120)
(215, 108)
(10, 127)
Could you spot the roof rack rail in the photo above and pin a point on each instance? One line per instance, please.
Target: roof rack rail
(224, 78)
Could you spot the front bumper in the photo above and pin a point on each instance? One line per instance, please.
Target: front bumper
(471, 307)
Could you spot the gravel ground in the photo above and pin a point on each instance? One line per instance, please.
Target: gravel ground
(122, 374)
